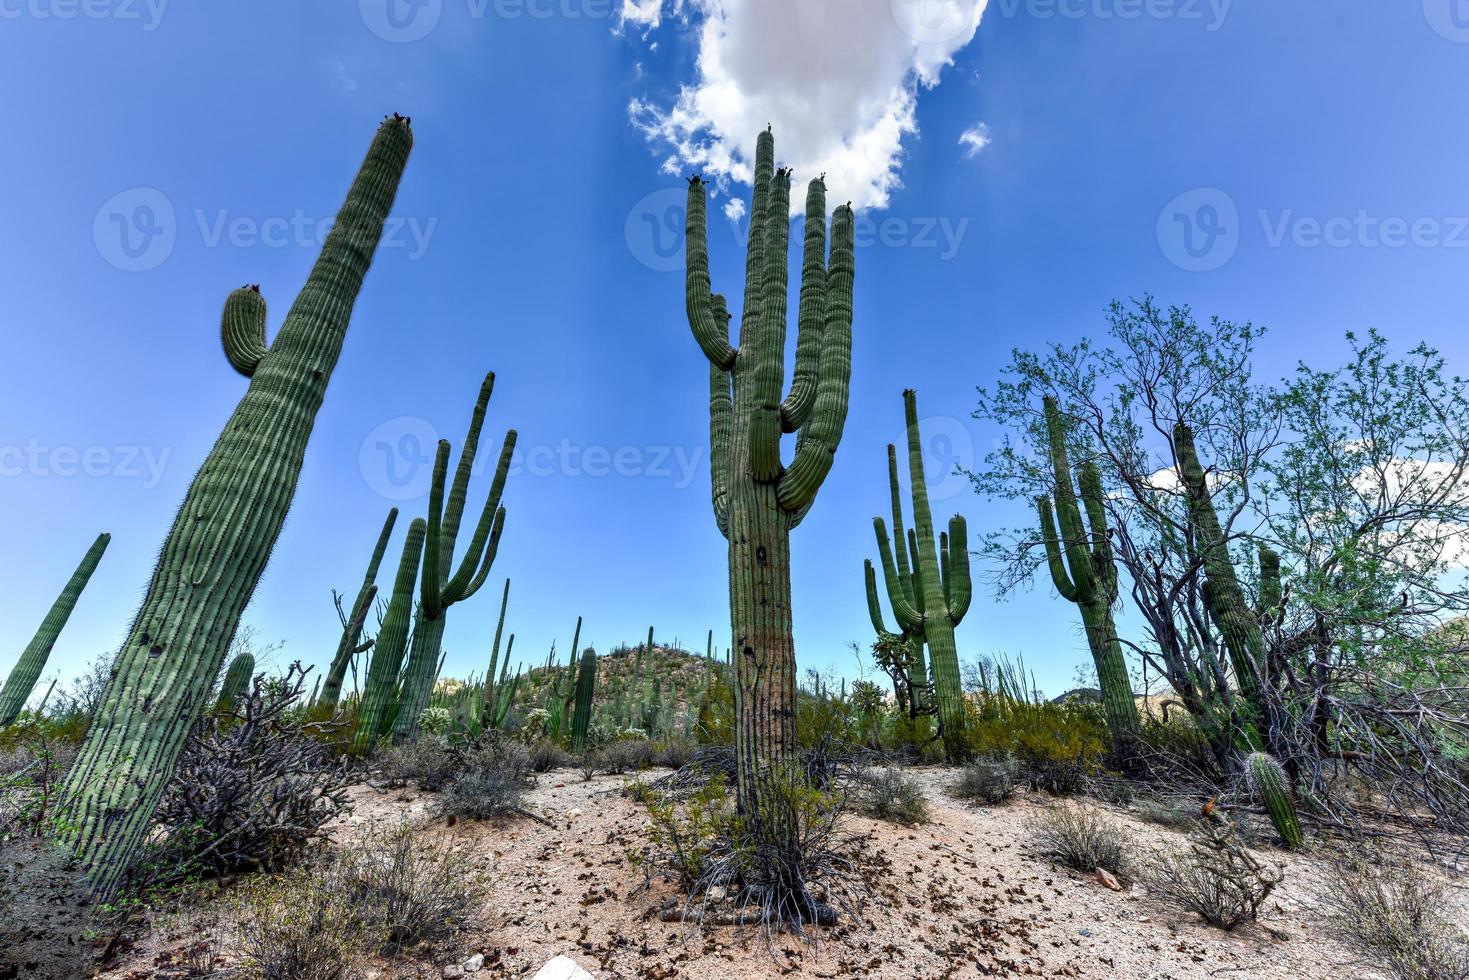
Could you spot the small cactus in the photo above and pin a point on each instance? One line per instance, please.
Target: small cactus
(586, 688)
(236, 679)
(1269, 782)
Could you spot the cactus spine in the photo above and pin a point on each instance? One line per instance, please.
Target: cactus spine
(442, 586)
(237, 677)
(1087, 576)
(27, 670)
(223, 534)
(586, 689)
(348, 647)
(941, 589)
(758, 501)
(392, 640)
(1269, 781)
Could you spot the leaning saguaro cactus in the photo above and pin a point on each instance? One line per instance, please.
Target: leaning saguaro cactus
(27, 670)
(1269, 781)
(586, 690)
(237, 677)
(757, 499)
(441, 586)
(940, 589)
(1083, 572)
(348, 647)
(223, 534)
(381, 686)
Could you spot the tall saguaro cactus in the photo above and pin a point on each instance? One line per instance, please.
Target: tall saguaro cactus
(1083, 572)
(940, 589)
(757, 499)
(441, 586)
(911, 583)
(27, 670)
(392, 640)
(348, 647)
(586, 689)
(223, 534)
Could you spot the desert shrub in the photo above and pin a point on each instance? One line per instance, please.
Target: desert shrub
(1166, 812)
(493, 776)
(627, 755)
(673, 753)
(194, 940)
(401, 887)
(426, 761)
(290, 927)
(250, 791)
(1057, 746)
(822, 718)
(545, 756)
(1081, 838)
(990, 781)
(893, 797)
(682, 831)
(1393, 914)
(1214, 876)
(31, 771)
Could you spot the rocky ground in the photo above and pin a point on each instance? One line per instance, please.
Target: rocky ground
(959, 896)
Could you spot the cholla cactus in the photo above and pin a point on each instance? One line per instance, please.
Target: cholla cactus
(436, 720)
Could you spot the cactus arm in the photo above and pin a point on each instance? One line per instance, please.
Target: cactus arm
(721, 408)
(236, 678)
(704, 307)
(495, 650)
(908, 616)
(874, 605)
(27, 670)
(1092, 498)
(1059, 575)
(1068, 514)
(900, 537)
(392, 641)
(331, 688)
(811, 316)
(242, 329)
(473, 571)
(430, 592)
(769, 374)
(958, 586)
(823, 431)
(459, 489)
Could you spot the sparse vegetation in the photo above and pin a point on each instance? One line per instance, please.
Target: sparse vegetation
(989, 780)
(889, 795)
(1083, 839)
(1394, 913)
(1214, 875)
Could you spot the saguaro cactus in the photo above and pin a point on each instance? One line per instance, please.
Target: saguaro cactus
(237, 677)
(757, 500)
(348, 647)
(489, 697)
(27, 670)
(441, 586)
(223, 534)
(392, 640)
(1269, 781)
(909, 642)
(1083, 572)
(940, 586)
(586, 689)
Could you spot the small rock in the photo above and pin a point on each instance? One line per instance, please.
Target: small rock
(475, 963)
(562, 968)
(572, 814)
(1138, 891)
(1108, 880)
(453, 971)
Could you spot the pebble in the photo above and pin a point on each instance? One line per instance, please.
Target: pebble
(475, 963)
(453, 971)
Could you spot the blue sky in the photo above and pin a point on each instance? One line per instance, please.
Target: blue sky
(1296, 164)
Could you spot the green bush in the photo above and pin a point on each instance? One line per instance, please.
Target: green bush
(1057, 746)
(989, 781)
(893, 797)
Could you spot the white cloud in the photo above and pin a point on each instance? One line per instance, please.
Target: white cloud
(734, 208)
(647, 14)
(974, 140)
(837, 79)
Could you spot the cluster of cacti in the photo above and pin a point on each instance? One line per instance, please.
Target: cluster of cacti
(237, 677)
(1268, 780)
(223, 534)
(757, 499)
(27, 670)
(1083, 572)
(930, 600)
(348, 647)
(442, 586)
(379, 692)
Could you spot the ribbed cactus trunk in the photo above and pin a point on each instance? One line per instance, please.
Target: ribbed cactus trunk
(441, 586)
(1273, 787)
(348, 646)
(936, 596)
(586, 689)
(27, 670)
(1238, 623)
(237, 677)
(381, 687)
(757, 500)
(1084, 573)
(223, 534)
